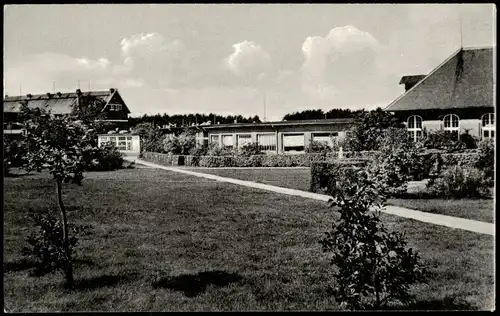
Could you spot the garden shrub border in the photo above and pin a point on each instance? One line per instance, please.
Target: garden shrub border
(300, 160)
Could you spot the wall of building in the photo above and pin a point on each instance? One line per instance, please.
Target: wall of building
(278, 131)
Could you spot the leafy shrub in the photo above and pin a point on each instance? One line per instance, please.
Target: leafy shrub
(396, 162)
(180, 144)
(318, 147)
(443, 140)
(373, 266)
(458, 182)
(150, 137)
(199, 150)
(105, 158)
(322, 173)
(13, 152)
(469, 141)
(486, 160)
(46, 246)
(215, 150)
(250, 149)
(368, 127)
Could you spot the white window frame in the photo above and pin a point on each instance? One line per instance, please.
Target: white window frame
(214, 138)
(222, 140)
(267, 148)
(292, 134)
(489, 126)
(451, 128)
(246, 136)
(413, 131)
(332, 135)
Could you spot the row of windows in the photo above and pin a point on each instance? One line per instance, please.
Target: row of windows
(120, 142)
(267, 142)
(115, 107)
(451, 124)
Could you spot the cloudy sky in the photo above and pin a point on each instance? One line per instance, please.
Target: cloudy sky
(228, 59)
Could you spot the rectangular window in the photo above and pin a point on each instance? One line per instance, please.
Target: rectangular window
(492, 134)
(293, 142)
(486, 134)
(267, 142)
(244, 139)
(214, 139)
(118, 107)
(227, 140)
(326, 138)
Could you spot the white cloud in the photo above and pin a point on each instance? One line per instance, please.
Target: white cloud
(250, 62)
(343, 68)
(154, 59)
(334, 49)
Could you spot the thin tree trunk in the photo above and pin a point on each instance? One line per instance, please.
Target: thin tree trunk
(69, 266)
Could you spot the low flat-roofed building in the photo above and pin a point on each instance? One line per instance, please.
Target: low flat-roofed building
(275, 137)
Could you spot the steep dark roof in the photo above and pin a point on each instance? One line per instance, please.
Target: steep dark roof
(59, 103)
(463, 80)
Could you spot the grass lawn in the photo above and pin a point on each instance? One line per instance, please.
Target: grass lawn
(293, 178)
(164, 241)
(480, 209)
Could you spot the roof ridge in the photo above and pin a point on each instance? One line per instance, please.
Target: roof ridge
(426, 77)
(477, 47)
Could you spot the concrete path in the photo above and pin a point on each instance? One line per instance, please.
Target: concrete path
(443, 220)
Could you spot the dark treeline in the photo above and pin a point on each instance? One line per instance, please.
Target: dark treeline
(319, 114)
(180, 120)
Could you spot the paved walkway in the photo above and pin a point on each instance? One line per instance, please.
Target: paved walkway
(443, 220)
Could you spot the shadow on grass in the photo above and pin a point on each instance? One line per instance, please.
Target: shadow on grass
(105, 280)
(195, 284)
(19, 265)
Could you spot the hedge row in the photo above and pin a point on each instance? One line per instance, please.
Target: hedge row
(303, 160)
(443, 160)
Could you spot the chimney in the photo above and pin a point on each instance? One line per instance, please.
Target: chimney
(112, 90)
(411, 81)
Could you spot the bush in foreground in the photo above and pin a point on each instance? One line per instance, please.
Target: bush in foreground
(46, 245)
(373, 267)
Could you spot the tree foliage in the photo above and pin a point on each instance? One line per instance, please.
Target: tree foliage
(56, 144)
(319, 114)
(368, 129)
(180, 144)
(150, 137)
(397, 161)
(183, 120)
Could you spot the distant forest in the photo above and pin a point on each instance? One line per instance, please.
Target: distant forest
(319, 114)
(190, 119)
(197, 119)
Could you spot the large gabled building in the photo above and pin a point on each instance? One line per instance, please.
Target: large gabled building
(114, 108)
(457, 96)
